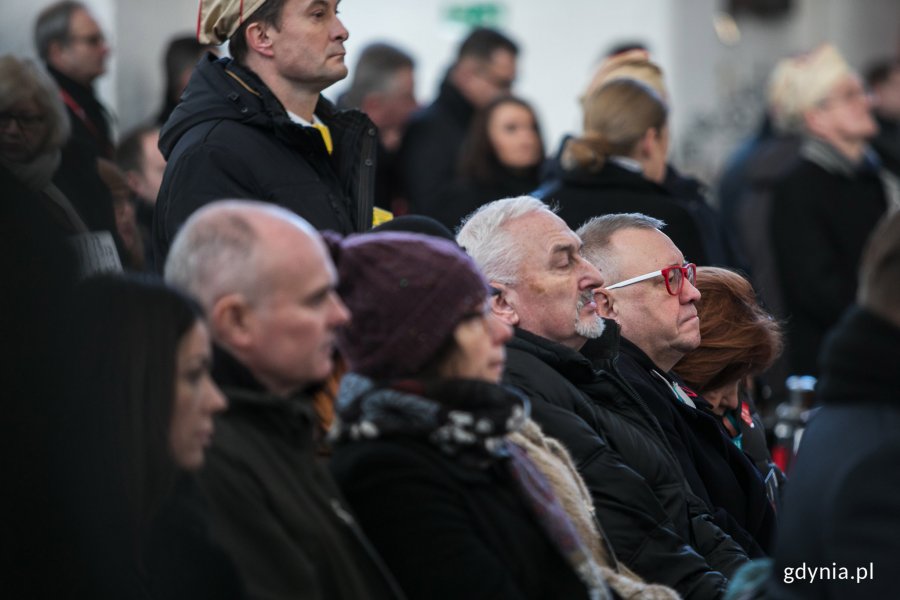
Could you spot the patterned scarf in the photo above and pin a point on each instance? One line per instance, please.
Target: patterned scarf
(467, 420)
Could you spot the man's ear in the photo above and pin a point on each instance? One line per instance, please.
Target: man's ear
(257, 37)
(606, 304)
(231, 320)
(503, 304)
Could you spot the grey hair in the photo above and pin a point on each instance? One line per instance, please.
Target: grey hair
(217, 251)
(484, 235)
(22, 79)
(374, 72)
(596, 234)
(52, 25)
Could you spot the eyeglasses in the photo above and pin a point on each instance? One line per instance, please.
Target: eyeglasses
(22, 120)
(673, 276)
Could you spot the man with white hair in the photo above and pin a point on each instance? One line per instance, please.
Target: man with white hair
(267, 284)
(545, 288)
(825, 207)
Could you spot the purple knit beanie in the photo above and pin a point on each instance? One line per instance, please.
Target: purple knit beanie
(406, 294)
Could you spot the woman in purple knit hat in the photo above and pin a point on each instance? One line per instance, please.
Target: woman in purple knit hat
(421, 450)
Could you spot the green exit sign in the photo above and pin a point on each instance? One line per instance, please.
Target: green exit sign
(482, 14)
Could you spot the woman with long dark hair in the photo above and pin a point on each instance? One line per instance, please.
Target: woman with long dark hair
(500, 158)
(134, 424)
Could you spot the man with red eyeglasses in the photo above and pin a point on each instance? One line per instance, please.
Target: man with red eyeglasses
(649, 291)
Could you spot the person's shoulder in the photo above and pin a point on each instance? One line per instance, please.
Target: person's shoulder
(531, 373)
(802, 177)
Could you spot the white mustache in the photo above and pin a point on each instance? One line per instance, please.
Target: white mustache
(586, 297)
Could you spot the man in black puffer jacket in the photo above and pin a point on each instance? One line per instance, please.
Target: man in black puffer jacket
(545, 288)
(650, 294)
(256, 126)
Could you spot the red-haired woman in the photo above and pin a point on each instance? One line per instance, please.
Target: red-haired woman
(738, 340)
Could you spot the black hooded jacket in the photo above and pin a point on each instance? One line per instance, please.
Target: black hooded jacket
(230, 137)
(655, 525)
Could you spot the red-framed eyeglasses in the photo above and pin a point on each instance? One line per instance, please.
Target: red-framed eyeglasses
(674, 277)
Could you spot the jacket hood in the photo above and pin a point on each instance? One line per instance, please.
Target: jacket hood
(212, 94)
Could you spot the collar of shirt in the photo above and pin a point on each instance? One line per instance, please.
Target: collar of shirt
(627, 163)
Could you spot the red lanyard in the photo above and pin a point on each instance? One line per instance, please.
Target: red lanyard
(79, 112)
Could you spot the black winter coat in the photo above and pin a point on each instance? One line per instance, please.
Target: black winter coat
(90, 120)
(887, 144)
(447, 530)
(275, 508)
(182, 560)
(654, 526)
(840, 509)
(430, 151)
(717, 471)
(231, 138)
(464, 197)
(582, 195)
(820, 221)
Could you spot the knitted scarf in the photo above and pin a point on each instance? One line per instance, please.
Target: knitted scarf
(468, 421)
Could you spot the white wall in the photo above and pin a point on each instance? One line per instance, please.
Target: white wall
(715, 89)
(17, 34)
(718, 90)
(560, 43)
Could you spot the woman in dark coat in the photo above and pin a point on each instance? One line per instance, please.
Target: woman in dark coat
(500, 158)
(454, 508)
(619, 165)
(133, 426)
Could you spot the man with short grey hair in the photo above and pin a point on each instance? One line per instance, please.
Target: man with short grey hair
(546, 288)
(649, 292)
(267, 284)
(71, 44)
